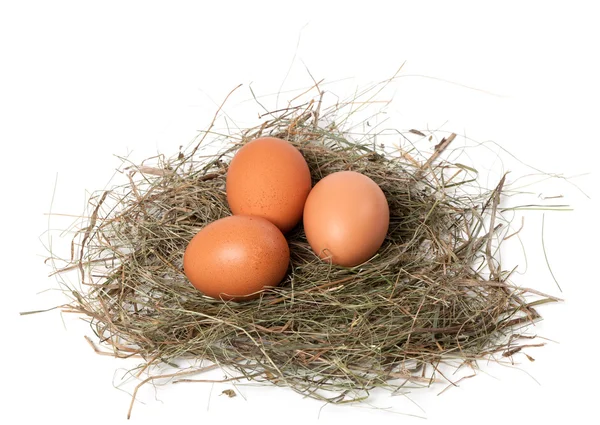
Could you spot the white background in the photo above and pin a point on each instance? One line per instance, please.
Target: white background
(81, 82)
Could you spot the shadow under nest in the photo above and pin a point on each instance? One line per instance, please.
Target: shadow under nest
(434, 292)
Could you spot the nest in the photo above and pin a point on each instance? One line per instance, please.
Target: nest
(435, 292)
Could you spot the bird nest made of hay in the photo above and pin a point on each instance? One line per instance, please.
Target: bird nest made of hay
(435, 291)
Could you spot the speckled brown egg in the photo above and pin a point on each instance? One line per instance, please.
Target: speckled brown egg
(346, 218)
(269, 178)
(236, 257)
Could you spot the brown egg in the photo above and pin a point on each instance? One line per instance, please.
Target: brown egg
(268, 177)
(236, 257)
(346, 218)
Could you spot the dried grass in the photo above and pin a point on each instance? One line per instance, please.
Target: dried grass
(435, 291)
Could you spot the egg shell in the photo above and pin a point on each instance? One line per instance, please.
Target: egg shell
(269, 178)
(236, 257)
(346, 218)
